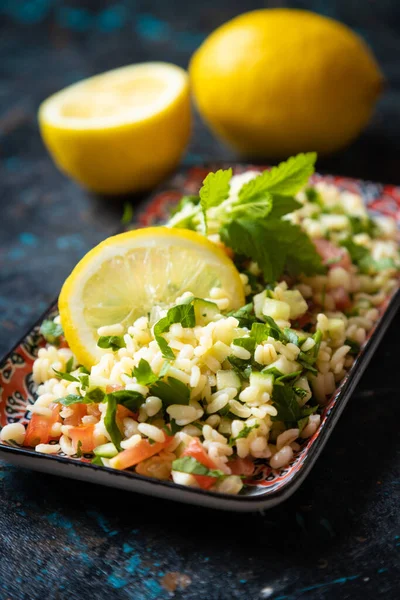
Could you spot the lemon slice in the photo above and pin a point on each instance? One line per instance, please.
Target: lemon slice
(121, 131)
(125, 276)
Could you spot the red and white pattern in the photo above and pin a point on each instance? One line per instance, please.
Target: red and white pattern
(17, 389)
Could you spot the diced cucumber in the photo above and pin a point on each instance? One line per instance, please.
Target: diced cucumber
(227, 379)
(258, 301)
(106, 450)
(276, 309)
(263, 381)
(283, 365)
(304, 385)
(204, 311)
(298, 306)
(220, 351)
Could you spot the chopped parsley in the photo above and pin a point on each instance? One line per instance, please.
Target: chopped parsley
(51, 331)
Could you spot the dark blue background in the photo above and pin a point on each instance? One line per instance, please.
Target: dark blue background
(339, 534)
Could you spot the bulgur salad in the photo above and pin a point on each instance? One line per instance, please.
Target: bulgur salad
(203, 389)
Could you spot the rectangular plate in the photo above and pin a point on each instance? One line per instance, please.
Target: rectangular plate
(17, 389)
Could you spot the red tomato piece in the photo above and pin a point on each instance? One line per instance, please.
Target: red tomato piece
(341, 298)
(79, 411)
(196, 450)
(241, 466)
(39, 427)
(333, 256)
(83, 434)
(139, 452)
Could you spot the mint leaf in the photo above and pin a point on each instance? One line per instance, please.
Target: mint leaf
(249, 237)
(291, 336)
(259, 208)
(181, 313)
(171, 391)
(115, 342)
(286, 179)
(143, 373)
(282, 205)
(110, 422)
(215, 189)
(188, 464)
(51, 331)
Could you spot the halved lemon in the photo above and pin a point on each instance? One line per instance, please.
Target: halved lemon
(125, 276)
(121, 131)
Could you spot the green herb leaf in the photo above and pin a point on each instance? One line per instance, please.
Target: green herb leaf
(110, 422)
(215, 189)
(51, 331)
(71, 399)
(354, 347)
(181, 313)
(285, 179)
(115, 342)
(313, 196)
(291, 336)
(143, 373)
(79, 449)
(300, 392)
(128, 398)
(284, 400)
(65, 375)
(283, 205)
(243, 433)
(127, 215)
(259, 208)
(248, 343)
(245, 315)
(84, 379)
(275, 245)
(188, 464)
(356, 251)
(95, 395)
(171, 391)
(363, 225)
(70, 365)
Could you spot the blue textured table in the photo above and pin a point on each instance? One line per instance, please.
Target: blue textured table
(339, 534)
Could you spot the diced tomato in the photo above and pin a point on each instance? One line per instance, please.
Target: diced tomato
(341, 298)
(83, 434)
(241, 466)
(79, 411)
(39, 427)
(114, 387)
(205, 481)
(332, 255)
(196, 450)
(141, 451)
(123, 413)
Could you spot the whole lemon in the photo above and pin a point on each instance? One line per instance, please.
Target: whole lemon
(274, 82)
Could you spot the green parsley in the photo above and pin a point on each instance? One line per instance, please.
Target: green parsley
(188, 464)
(143, 373)
(171, 391)
(115, 342)
(110, 422)
(127, 215)
(181, 313)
